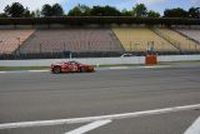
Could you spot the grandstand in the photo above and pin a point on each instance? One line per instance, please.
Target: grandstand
(142, 39)
(10, 40)
(73, 39)
(179, 41)
(190, 33)
(57, 37)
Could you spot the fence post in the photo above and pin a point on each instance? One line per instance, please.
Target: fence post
(64, 46)
(70, 55)
(19, 47)
(19, 43)
(130, 46)
(88, 45)
(196, 49)
(110, 43)
(40, 48)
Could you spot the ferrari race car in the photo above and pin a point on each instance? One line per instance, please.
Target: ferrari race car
(70, 67)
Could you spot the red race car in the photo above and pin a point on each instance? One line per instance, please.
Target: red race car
(70, 66)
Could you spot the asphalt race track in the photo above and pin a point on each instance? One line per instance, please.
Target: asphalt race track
(46, 96)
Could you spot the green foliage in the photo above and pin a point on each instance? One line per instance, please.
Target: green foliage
(37, 13)
(46, 10)
(175, 12)
(105, 11)
(194, 12)
(126, 13)
(3, 15)
(152, 13)
(139, 10)
(75, 12)
(80, 10)
(15, 10)
(83, 10)
(27, 13)
(55, 10)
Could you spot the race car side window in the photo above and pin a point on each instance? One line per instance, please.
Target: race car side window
(74, 62)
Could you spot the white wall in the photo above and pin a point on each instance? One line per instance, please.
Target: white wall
(179, 58)
(100, 61)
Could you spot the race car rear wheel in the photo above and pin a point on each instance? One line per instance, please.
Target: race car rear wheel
(57, 70)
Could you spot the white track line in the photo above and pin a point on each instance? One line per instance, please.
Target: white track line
(96, 118)
(157, 66)
(38, 71)
(118, 68)
(24, 71)
(2, 72)
(89, 127)
(194, 128)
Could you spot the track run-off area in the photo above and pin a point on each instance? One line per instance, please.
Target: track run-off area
(119, 101)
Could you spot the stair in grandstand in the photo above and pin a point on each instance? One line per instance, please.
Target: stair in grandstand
(114, 36)
(20, 49)
(142, 39)
(167, 38)
(12, 39)
(72, 39)
(189, 38)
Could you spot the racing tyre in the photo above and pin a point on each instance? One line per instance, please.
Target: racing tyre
(57, 70)
(82, 69)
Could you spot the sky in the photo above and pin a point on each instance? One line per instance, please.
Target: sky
(156, 5)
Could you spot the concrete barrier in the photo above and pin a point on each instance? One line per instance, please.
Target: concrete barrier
(100, 61)
(172, 58)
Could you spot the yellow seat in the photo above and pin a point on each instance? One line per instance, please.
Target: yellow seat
(142, 39)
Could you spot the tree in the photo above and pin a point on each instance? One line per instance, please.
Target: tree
(112, 11)
(152, 13)
(83, 10)
(80, 10)
(139, 10)
(27, 13)
(15, 10)
(32, 14)
(57, 10)
(126, 13)
(37, 13)
(86, 11)
(175, 12)
(105, 11)
(3, 15)
(46, 10)
(194, 12)
(75, 12)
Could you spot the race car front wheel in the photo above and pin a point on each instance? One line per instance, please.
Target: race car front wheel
(57, 70)
(82, 69)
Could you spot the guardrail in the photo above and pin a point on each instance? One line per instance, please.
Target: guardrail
(100, 61)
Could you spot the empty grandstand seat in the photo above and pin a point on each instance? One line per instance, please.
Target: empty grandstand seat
(191, 33)
(10, 40)
(75, 39)
(180, 41)
(142, 39)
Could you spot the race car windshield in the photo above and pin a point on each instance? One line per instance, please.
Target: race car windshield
(74, 62)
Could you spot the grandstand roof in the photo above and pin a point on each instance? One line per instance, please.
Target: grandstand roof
(85, 20)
